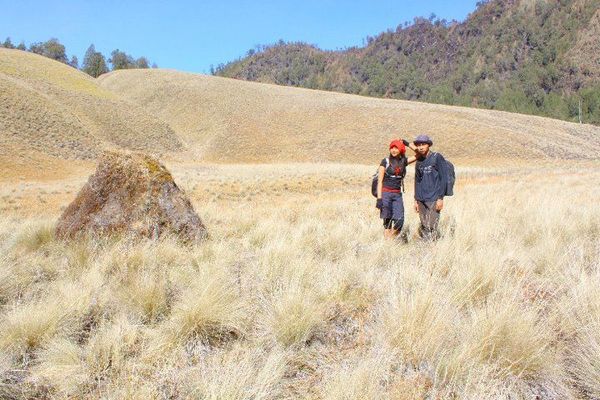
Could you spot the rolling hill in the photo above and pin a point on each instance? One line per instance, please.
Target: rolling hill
(223, 119)
(49, 110)
(52, 116)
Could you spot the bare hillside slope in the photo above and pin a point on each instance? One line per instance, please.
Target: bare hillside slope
(49, 110)
(218, 117)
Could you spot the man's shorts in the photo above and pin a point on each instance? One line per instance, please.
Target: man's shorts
(392, 206)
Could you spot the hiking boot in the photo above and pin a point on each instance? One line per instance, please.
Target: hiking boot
(404, 234)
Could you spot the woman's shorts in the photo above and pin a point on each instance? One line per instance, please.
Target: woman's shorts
(392, 206)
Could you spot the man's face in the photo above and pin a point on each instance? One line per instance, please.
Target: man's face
(422, 148)
(394, 151)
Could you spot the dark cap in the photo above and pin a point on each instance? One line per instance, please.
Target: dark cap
(423, 139)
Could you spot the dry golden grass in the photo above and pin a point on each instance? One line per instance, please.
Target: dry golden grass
(50, 111)
(51, 114)
(268, 123)
(297, 295)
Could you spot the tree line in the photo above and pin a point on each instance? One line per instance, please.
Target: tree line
(94, 62)
(532, 58)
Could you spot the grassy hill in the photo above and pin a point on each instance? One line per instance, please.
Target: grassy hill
(223, 119)
(51, 115)
(535, 57)
(49, 110)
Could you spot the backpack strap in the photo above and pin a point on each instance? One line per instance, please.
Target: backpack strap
(436, 154)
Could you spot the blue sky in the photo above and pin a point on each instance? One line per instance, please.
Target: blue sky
(192, 35)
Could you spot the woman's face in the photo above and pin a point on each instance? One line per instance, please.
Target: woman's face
(394, 151)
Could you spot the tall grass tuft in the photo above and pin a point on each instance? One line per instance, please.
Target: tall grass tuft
(294, 316)
(238, 373)
(209, 310)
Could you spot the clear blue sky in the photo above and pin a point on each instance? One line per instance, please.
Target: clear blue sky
(191, 35)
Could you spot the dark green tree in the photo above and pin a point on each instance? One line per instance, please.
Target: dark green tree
(590, 104)
(8, 44)
(88, 55)
(94, 62)
(36, 48)
(22, 46)
(142, 62)
(55, 50)
(121, 60)
(52, 49)
(74, 62)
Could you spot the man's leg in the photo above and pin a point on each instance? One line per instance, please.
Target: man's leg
(430, 218)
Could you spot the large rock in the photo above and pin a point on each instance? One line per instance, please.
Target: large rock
(131, 193)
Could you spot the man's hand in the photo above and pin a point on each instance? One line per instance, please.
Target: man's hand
(439, 205)
(416, 206)
(379, 204)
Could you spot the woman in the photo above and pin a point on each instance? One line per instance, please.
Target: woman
(390, 186)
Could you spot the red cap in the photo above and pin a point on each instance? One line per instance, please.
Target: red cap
(399, 145)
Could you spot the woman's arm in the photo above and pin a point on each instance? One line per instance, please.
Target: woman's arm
(380, 181)
(409, 145)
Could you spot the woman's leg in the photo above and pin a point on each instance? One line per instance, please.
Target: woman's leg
(388, 231)
(386, 214)
(397, 214)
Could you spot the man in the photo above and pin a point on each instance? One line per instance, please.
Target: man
(430, 187)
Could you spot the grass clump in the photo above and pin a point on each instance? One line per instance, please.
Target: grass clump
(34, 236)
(512, 339)
(419, 322)
(294, 317)
(238, 373)
(209, 310)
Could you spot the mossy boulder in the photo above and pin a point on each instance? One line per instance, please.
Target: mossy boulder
(132, 194)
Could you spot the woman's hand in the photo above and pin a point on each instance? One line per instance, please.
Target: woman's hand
(409, 145)
(379, 204)
(416, 206)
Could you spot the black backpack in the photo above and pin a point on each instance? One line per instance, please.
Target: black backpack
(376, 175)
(450, 178)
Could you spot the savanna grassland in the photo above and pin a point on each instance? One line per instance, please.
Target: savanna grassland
(297, 295)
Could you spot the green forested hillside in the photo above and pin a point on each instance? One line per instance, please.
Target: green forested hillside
(529, 56)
